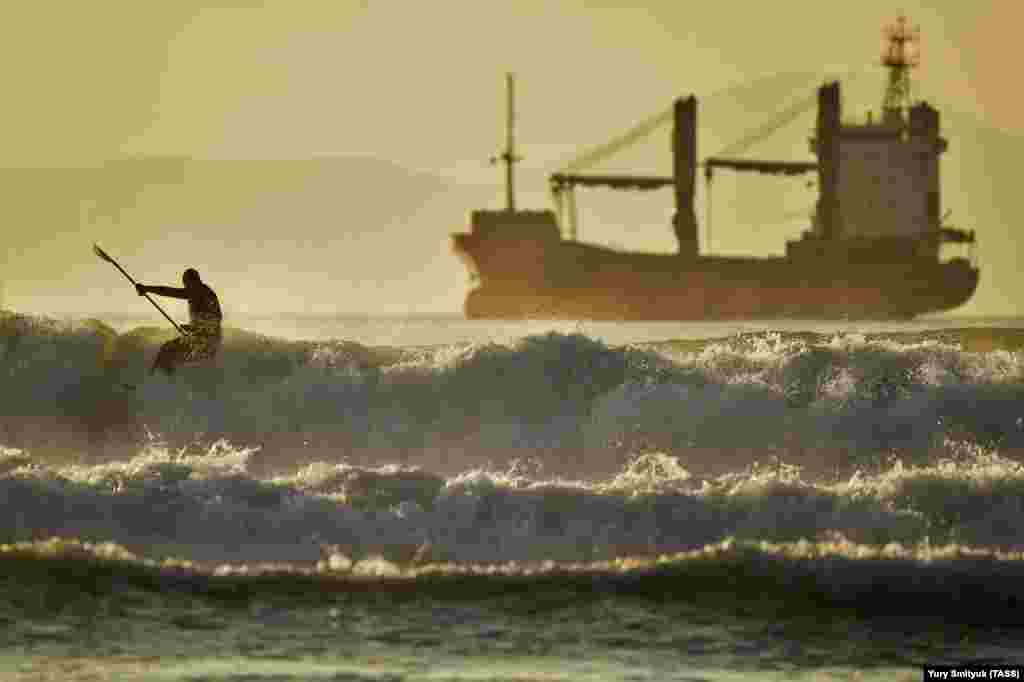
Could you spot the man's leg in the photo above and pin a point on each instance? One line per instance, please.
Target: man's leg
(171, 354)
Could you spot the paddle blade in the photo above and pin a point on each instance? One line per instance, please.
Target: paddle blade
(101, 253)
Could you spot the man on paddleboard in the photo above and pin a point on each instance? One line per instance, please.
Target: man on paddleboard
(202, 337)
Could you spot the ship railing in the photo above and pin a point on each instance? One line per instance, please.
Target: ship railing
(952, 235)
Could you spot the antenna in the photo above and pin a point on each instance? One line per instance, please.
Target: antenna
(899, 59)
(509, 155)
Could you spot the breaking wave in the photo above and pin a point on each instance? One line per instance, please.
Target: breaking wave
(209, 506)
(754, 486)
(566, 403)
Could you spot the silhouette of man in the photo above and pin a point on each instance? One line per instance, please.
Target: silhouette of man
(203, 336)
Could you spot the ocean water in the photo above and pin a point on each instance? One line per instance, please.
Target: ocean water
(430, 498)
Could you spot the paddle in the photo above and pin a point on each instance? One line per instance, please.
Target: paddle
(103, 254)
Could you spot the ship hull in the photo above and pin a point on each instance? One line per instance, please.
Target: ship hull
(569, 280)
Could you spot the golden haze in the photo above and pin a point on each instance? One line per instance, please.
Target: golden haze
(417, 85)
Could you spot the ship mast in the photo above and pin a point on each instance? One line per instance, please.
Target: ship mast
(509, 156)
(899, 59)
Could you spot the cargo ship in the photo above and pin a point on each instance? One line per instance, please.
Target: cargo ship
(873, 249)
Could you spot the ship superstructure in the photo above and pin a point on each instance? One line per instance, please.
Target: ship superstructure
(872, 249)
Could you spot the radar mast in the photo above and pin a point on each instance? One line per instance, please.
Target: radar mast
(900, 55)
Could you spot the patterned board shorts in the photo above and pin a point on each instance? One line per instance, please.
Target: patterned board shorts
(204, 340)
(202, 343)
(198, 346)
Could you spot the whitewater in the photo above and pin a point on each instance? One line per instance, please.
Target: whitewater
(435, 498)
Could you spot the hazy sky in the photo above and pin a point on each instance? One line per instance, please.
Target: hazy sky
(420, 83)
(416, 81)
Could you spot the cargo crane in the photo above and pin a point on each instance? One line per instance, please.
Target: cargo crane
(683, 113)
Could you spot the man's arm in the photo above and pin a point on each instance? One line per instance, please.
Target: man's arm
(171, 292)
